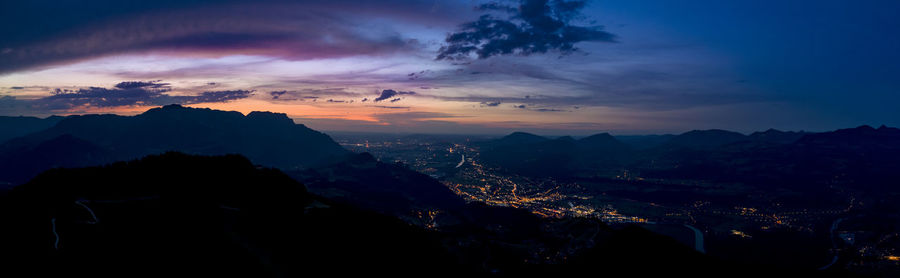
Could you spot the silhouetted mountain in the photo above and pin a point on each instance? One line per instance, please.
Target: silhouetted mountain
(704, 139)
(532, 155)
(270, 139)
(861, 138)
(777, 136)
(62, 151)
(642, 142)
(862, 158)
(518, 138)
(602, 142)
(12, 127)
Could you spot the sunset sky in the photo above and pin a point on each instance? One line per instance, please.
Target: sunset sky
(560, 67)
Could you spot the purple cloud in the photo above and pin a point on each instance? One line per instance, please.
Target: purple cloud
(131, 93)
(386, 94)
(290, 30)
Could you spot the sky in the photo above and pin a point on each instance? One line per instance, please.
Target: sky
(477, 67)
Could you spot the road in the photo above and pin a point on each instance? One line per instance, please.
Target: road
(834, 226)
(93, 216)
(698, 239)
(56, 243)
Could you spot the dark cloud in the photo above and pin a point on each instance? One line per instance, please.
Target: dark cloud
(304, 94)
(214, 96)
(395, 100)
(131, 93)
(277, 94)
(141, 84)
(549, 110)
(392, 107)
(365, 99)
(523, 106)
(386, 94)
(101, 97)
(490, 104)
(535, 26)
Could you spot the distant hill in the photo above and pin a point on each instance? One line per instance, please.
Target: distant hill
(704, 139)
(863, 158)
(642, 142)
(858, 157)
(12, 127)
(532, 155)
(777, 136)
(517, 138)
(270, 139)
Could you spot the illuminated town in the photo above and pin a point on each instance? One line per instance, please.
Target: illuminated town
(456, 163)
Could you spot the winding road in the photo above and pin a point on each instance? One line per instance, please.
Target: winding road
(834, 226)
(56, 243)
(698, 239)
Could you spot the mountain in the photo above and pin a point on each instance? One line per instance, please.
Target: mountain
(12, 127)
(61, 151)
(777, 136)
(531, 155)
(862, 158)
(642, 142)
(270, 139)
(704, 139)
(862, 138)
(517, 138)
(603, 142)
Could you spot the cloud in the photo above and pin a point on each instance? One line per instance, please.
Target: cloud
(490, 104)
(141, 84)
(305, 94)
(210, 97)
(392, 107)
(277, 94)
(77, 30)
(549, 110)
(386, 94)
(535, 26)
(101, 97)
(523, 106)
(130, 93)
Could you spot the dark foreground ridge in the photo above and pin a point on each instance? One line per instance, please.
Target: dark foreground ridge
(205, 216)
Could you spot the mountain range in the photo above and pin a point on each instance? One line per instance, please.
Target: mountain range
(270, 139)
(338, 208)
